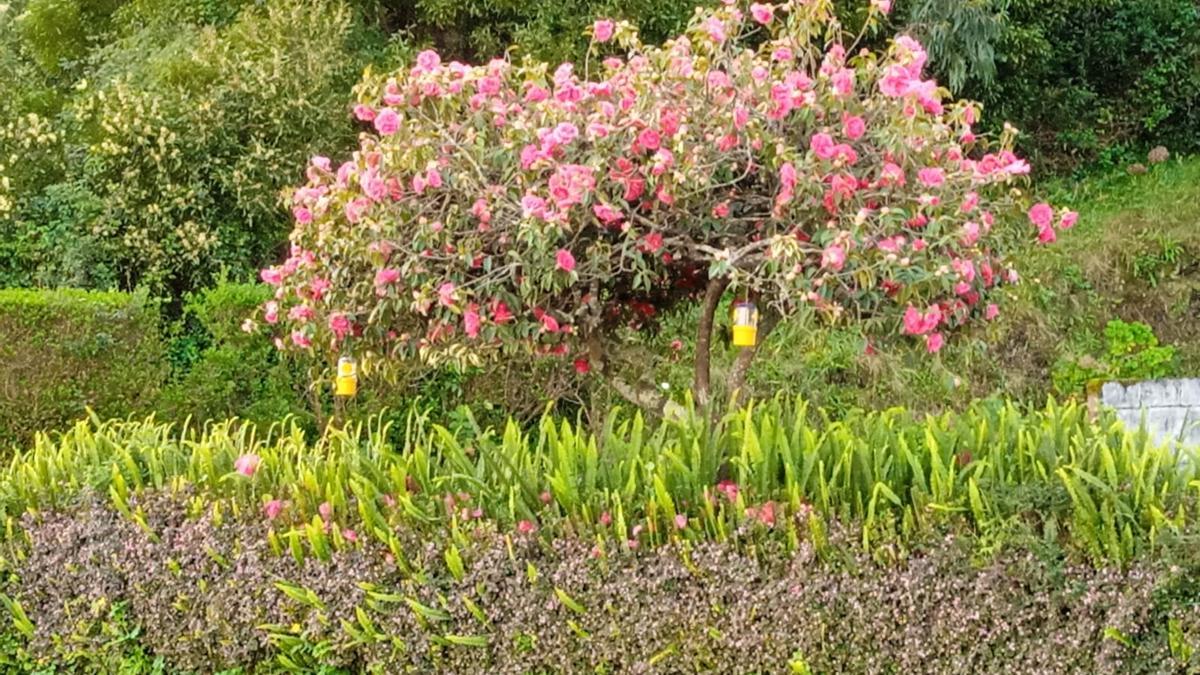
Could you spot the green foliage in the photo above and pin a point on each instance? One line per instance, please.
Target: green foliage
(64, 351)
(1081, 76)
(222, 371)
(163, 156)
(1132, 353)
(1112, 493)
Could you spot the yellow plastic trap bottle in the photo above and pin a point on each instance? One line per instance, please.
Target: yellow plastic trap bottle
(745, 324)
(346, 383)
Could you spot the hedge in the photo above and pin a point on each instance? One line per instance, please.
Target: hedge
(776, 538)
(63, 351)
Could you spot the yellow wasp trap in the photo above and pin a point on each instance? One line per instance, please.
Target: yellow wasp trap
(745, 324)
(346, 383)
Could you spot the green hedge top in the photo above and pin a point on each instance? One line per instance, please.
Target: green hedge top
(62, 351)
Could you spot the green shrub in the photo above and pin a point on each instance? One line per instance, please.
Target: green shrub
(221, 371)
(64, 351)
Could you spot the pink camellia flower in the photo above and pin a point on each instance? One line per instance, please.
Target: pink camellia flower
(681, 521)
(549, 323)
(271, 312)
(651, 243)
(649, 139)
(970, 202)
(301, 340)
(991, 312)
(471, 322)
(931, 177)
(526, 527)
(339, 324)
(271, 275)
(582, 366)
(917, 323)
(1041, 215)
(1068, 220)
(356, 208)
(854, 127)
(934, 342)
(602, 30)
(500, 313)
(564, 260)
(884, 6)
(834, 257)
(762, 13)
(822, 145)
(1047, 235)
(272, 509)
(765, 514)
(428, 60)
(446, 294)
(318, 287)
(303, 216)
(364, 113)
(721, 210)
(729, 489)
(387, 122)
(676, 345)
(715, 29)
(970, 233)
(605, 519)
(607, 214)
(386, 276)
(247, 464)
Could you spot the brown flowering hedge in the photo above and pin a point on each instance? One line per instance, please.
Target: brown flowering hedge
(208, 594)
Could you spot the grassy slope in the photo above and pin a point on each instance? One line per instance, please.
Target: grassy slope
(1135, 256)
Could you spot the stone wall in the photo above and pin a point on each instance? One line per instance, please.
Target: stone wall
(1171, 408)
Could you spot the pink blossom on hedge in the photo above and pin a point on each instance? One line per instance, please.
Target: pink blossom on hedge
(834, 257)
(1041, 215)
(526, 527)
(762, 13)
(247, 464)
(340, 325)
(1068, 220)
(364, 113)
(931, 177)
(649, 139)
(602, 30)
(387, 122)
(991, 312)
(934, 342)
(472, 321)
(854, 127)
(884, 6)
(386, 277)
(564, 260)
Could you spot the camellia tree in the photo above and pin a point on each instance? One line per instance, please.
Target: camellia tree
(558, 211)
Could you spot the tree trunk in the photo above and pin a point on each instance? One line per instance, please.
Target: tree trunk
(701, 384)
(741, 366)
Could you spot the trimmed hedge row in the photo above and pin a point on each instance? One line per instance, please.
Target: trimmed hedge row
(208, 593)
(64, 351)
